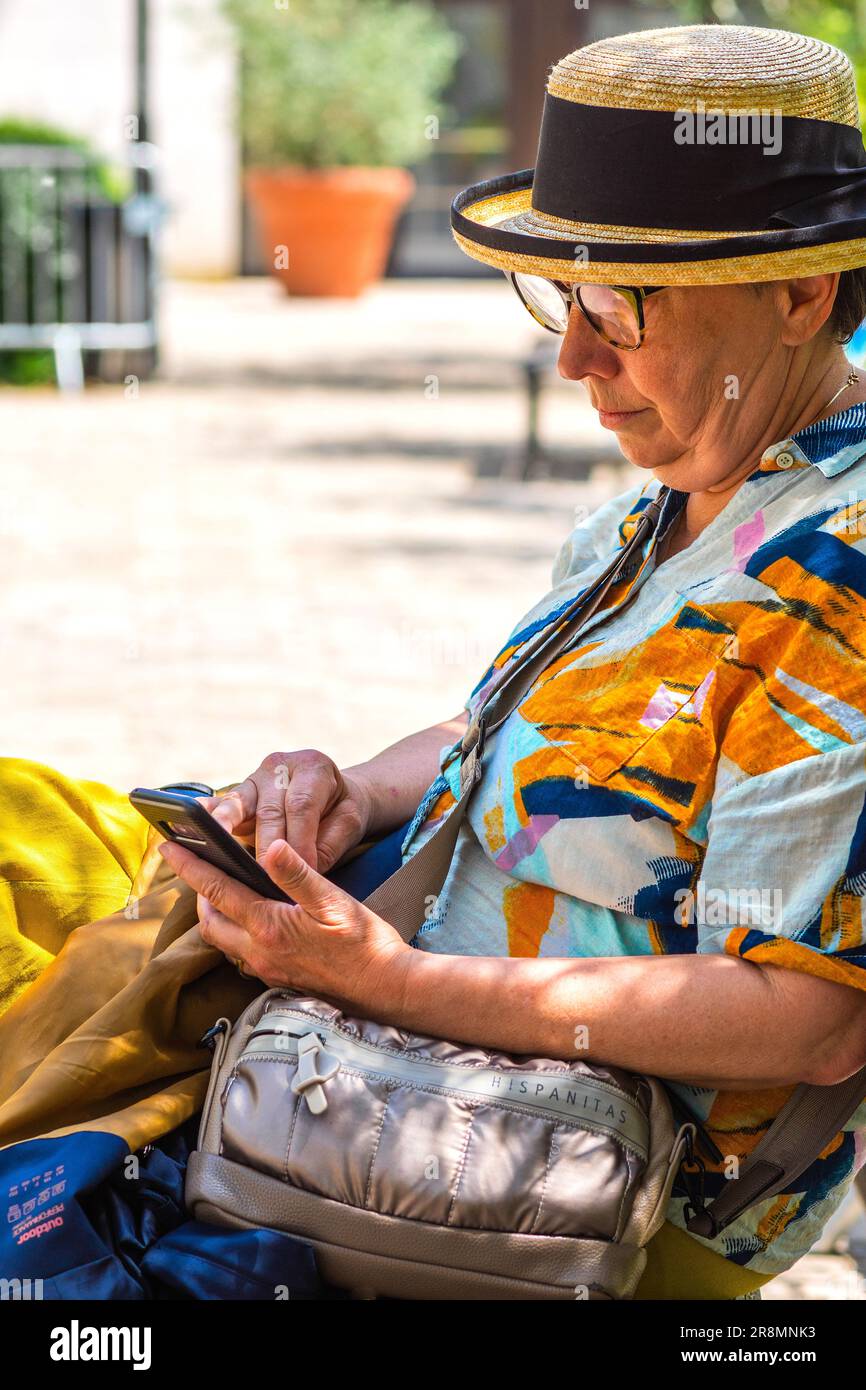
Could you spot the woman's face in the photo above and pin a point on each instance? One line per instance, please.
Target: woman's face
(694, 402)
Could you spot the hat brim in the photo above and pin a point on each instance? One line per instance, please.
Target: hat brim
(486, 223)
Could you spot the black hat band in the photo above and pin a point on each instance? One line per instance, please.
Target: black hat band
(625, 167)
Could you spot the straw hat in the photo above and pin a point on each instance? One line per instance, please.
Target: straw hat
(695, 155)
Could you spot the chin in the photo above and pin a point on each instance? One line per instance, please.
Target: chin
(646, 457)
(666, 461)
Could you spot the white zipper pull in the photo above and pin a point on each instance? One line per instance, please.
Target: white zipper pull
(309, 1079)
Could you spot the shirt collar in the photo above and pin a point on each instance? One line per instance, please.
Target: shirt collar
(831, 445)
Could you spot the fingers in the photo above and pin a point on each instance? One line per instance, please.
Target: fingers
(220, 931)
(311, 789)
(228, 896)
(290, 797)
(245, 831)
(236, 810)
(320, 898)
(272, 780)
(338, 832)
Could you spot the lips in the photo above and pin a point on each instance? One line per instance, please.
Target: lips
(612, 418)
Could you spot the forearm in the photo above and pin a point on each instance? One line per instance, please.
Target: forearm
(396, 779)
(710, 1021)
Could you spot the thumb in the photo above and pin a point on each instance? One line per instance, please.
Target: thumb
(308, 888)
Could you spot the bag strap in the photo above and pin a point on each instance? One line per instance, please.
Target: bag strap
(404, 899)
(803, 1127)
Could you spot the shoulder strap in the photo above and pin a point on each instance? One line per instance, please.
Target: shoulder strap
(803, 1127)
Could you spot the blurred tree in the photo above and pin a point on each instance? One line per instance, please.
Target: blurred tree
(840, 22)
(330, 82)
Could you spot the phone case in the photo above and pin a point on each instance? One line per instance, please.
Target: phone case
(180, 817)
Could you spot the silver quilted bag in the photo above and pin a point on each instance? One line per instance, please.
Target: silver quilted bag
(419, 1168)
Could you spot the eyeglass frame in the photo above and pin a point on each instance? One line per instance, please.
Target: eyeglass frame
(636, 295)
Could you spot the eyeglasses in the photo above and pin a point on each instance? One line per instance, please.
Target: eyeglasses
(614, 311)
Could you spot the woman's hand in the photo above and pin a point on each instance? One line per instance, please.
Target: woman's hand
(325, 942)
(302, 798)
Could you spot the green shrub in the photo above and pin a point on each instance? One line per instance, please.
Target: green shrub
(330, 82)
(23, 234)
(106, 180)
(34, 367)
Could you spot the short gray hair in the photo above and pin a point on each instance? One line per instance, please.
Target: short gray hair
(849, 308)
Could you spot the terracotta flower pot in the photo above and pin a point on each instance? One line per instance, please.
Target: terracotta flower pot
(327, 231)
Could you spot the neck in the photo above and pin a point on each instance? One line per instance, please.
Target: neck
(796, 408)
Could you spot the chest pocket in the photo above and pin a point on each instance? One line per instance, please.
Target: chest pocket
(641, 713)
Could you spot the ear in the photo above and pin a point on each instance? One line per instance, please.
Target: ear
(805, 305)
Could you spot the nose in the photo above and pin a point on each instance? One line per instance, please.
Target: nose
(583, 352)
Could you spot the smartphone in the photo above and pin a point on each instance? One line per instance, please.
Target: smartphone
(180, 817)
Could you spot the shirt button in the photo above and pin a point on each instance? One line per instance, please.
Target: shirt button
(784, 460)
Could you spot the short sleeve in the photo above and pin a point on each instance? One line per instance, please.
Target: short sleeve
(595, 536)
(783, 880)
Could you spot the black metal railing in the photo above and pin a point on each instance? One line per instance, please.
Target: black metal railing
(78, 270)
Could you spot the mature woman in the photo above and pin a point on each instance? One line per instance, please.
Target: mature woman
(667, 843)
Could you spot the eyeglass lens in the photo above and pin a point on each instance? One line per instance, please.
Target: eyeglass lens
(611, 314)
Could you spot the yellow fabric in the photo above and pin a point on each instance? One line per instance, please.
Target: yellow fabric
(69, 851)
(679, 1267)
(104, 1035)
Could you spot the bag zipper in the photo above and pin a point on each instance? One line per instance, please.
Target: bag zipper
(580, 1105)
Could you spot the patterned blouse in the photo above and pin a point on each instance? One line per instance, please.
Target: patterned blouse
(689, 776)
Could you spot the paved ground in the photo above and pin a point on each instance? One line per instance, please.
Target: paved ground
(283, 542)
(300, 535)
